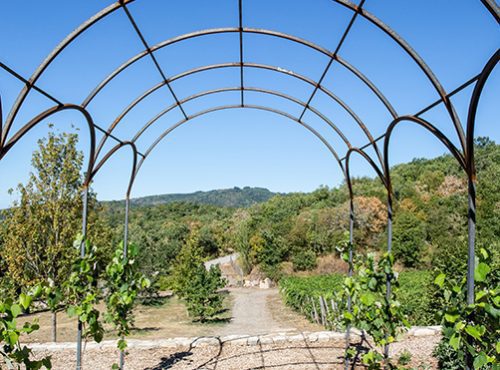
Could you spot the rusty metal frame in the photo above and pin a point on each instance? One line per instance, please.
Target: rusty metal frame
(464, 154)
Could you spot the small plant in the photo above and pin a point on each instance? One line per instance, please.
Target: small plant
(404, 358)
(447, 357)
(373, 311)
(12, 353)
(472, 330)
(81, 292)
(123, 284)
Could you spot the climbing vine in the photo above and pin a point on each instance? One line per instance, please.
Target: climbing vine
(473, 330)
(374, 311)
(12, 353)
(123, 284)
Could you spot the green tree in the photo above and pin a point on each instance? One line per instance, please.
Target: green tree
(409, 238)
(38, 231)
(197, 286)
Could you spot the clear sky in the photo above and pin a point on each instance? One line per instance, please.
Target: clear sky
(244, 147)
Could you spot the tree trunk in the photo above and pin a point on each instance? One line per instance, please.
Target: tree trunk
(54, 326)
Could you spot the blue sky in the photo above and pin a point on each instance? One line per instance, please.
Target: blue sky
(244, 147)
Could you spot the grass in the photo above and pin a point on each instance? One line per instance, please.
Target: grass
(166, 320)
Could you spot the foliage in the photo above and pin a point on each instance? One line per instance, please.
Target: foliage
(298, 291)
(304, 260)
(416, 294)
(195, 285)
(81, 292)
(472, 330)
(12, 353)
(374, 309)
(447, 357)
(123, 284)
(235, 197)
(38, 231)
(409, 238)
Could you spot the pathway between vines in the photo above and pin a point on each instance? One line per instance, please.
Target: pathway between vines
(260, 311)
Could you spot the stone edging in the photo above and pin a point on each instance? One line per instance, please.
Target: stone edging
(241, 340)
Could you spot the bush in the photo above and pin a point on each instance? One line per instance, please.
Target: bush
(409, 238)
(304, 260)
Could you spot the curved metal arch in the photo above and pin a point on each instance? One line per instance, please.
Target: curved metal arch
(370, 161)
(417, 58)
(471, 116)
(429, 127)
(227, 89)
(258, 66)
(110, 9)
(110, 154)
(493, 8)
(215, 31)
(47, 113)
(53, 55)
(236, 106)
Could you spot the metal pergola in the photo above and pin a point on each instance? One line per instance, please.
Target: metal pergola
(98, 156)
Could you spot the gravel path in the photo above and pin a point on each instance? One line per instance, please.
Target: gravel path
(297, 355)
(251, 313)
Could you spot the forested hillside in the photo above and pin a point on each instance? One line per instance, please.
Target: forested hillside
(298, 231)
(235, 197)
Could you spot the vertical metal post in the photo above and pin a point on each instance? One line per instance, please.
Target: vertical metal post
(125, 252)
(472, 240)
(85, 202)
(471, 253)
(349, 308)
(389, 250)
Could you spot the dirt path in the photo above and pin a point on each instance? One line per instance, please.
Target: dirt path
(260, 311)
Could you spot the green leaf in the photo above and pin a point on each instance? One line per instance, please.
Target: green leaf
(15, 309)
(13, 338)
(473, 331)
(451, 317)
(480, 360)
(455, 341)
(25, 300)
(439, 280)
(481, 272)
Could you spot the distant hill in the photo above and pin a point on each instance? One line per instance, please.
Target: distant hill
(235, 197)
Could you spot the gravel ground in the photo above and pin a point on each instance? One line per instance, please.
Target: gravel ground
(254, 312)
(301, 354)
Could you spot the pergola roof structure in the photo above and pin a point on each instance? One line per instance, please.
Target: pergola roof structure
(460, 145)
(98, 156)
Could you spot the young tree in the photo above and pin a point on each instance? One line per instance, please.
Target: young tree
(197, 286)
(38, 231)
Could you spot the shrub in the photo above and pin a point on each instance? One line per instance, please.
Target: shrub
(123, 284)
(202, 298)
(409, 238)
(304, 260)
